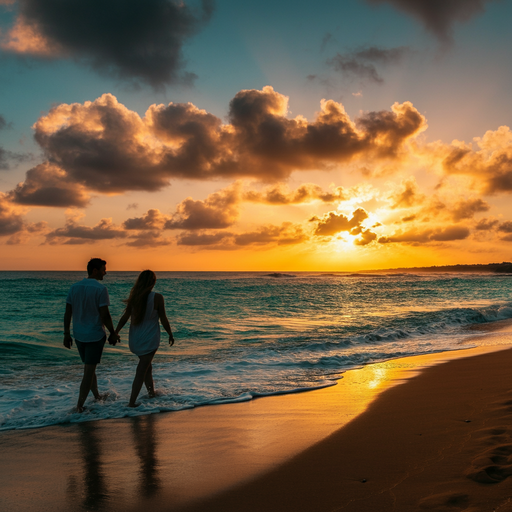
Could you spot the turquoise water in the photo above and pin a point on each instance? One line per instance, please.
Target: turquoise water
(238, 335)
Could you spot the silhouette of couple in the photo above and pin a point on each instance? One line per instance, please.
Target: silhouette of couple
(87, 304)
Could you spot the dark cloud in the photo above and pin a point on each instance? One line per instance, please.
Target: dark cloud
(148, 239)
(11, 221)
(152, 219)
(219, 210)
(9, 156)
(202, 239)
(77, 234)
(269, 235)
(138, 40)
(408, 195)
(505, 227)
(102, 146)
(487, 224)
(418, 237)
(438, 16)
(367, 237)
(286, 234)
(280, 195)
(333, 223)
(362, 63)
(47, 185)
(467, 208)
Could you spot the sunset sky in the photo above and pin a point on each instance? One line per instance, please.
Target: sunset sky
(243, 135)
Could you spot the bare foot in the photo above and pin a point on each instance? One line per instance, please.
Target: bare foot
(133, 405)
(102, 396)
(79, 408)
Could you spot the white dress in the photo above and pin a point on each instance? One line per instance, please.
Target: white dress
(144, 338)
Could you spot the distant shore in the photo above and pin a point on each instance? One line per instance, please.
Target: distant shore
(499, 268)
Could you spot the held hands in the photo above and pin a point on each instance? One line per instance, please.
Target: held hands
(68, 340)
(114, 338)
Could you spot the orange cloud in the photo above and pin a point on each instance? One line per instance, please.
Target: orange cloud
(48, 185)
(417, 237)
(408, 195)
(280, 195)
(74, 233)
(104, 147)
(490, 166)
(25, 38)
(333, 223)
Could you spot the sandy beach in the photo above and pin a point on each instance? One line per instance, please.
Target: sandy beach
(442, 440)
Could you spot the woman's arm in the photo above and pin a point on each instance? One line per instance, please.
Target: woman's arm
(160, 307)
(122, 321)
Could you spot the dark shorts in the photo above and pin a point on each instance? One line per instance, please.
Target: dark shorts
(91, 351)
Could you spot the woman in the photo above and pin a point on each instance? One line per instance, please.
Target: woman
(144, 307)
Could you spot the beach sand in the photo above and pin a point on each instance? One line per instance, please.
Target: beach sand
(441, 440)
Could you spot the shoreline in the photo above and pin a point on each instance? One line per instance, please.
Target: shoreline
(170, 461)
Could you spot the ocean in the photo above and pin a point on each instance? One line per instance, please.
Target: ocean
(239, 336)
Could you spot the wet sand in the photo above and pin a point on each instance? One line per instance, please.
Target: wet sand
(441, 441)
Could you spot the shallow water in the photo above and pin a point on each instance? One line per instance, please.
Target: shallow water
(238, 335)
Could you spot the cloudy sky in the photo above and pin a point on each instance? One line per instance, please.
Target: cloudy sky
(228, 135)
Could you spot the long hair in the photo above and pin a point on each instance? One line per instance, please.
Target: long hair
(138, 298)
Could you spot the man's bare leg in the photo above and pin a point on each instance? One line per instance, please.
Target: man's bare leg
(94, 389)
(87, 382)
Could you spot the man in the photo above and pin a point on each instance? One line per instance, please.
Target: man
(87, 303)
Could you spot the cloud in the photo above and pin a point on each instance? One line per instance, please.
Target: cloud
(505, 227)
(466, 209)
(140, 41)
(408, 195)
(487, 224)
(148, 239)
(104, 147)
(48, 185)
(11, 220)
(417, 237)
(76, 233)
(12, 223)
(202, 239)
(286, 234)
(308, 192)
(219, 210)
(152, 219)
(490, 165)
(438, 16)
(367, 237)
(362, 63)
(333, 223)
(264, 236)
(5, 155)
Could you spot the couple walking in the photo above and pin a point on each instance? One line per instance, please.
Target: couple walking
(87, 304)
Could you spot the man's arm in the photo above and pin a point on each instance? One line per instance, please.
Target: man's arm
(107, 322)
(68, 340)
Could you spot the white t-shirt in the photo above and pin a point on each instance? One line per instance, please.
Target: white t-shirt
(86, 298)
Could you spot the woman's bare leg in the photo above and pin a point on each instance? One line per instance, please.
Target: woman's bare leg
(148, 381)
(140, 376)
